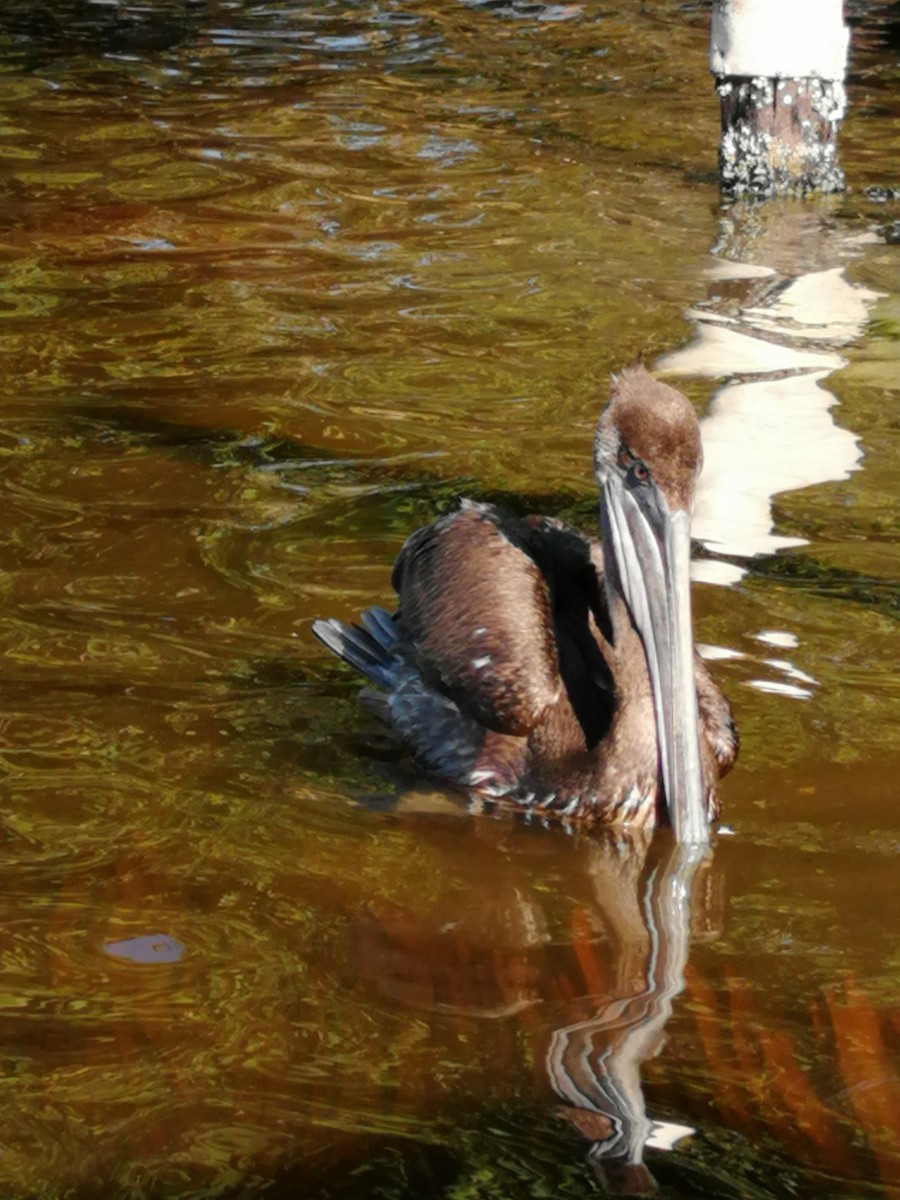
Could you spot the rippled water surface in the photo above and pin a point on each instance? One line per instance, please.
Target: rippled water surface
(279, 282)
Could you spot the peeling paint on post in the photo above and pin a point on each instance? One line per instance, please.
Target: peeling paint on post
(779, 68)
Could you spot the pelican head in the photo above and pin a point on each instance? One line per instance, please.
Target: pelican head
(647, 456)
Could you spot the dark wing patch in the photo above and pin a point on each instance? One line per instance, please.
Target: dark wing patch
(581, 621)
(478, 609)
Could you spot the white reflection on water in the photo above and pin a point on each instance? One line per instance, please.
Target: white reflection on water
(771, 429)
(761, 438)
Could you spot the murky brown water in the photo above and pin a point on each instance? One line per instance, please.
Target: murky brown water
(279, 281)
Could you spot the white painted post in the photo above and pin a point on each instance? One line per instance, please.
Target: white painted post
(779, 68)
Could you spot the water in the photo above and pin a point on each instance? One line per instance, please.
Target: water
(279, 282)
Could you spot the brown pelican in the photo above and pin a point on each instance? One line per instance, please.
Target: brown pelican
(528, 662)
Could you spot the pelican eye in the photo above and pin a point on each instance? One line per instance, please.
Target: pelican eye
(636, 471)
(640, 472)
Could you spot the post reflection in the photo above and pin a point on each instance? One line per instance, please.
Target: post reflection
(585, 951)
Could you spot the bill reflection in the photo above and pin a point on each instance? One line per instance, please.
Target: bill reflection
(594, 1066)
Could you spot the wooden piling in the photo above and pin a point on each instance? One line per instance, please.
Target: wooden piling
(779, 68)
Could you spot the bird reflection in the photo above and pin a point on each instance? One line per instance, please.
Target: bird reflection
(594, 1066)
(598, 1002)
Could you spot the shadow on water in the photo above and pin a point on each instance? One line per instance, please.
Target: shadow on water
(43, 31)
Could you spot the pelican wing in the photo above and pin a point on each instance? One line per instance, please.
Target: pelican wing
(477, 606)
